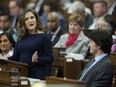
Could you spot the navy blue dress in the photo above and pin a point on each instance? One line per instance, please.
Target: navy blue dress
(26, 48)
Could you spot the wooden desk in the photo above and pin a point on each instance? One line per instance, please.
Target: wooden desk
(55, 80)
(56, 52)
(6, 65)
(68, 68)
(5, 83)
(23, 82)
(62, 67)
(113, 59)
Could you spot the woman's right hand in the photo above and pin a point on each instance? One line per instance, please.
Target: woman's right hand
(34, 57)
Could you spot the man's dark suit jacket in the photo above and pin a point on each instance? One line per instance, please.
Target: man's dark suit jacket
(100, 75)
(110, 21)
(56, 39)
(88, 20)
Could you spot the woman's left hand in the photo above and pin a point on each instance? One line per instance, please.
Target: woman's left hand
(34, 57)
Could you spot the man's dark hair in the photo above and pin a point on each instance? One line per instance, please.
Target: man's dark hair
(18, 3)
(6, 14)
(10, 38)
(103, 39)
(103, 3)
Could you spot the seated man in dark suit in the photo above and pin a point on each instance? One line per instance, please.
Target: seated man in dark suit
(5, 25)
(54, 30)
(99, 71)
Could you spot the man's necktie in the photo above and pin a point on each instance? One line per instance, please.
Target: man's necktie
(86, 70)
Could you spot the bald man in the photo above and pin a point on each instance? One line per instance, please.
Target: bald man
(53, 27)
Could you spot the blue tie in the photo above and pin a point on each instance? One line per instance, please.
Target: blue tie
(86, 70)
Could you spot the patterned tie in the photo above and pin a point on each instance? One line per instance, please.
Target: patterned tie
(85, 70)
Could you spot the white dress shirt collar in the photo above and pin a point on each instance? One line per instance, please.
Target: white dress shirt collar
(55, 33)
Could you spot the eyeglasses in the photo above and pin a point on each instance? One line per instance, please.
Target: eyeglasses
(101, 25)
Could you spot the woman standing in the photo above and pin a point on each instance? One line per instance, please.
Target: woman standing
(34, 47)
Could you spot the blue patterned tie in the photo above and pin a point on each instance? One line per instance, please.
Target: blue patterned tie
(86, 70)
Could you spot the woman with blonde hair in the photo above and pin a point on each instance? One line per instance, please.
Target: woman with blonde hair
(75, 40)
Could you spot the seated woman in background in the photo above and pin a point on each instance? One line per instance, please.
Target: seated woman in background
(75, 40)
(6, 45)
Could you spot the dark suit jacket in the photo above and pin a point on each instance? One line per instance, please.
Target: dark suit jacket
(110, 21)
(100, 75)
(56, 39)
(88, 21)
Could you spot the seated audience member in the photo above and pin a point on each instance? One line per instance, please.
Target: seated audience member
(47, 8)
(6, 25)
(50, 7)
(99, 71)
(103, 25)
(79, 8)
(75, 40)
(100, 12)
(6, 45)
(34, 47)
(15, 8)
(111, 7)
(37, 5)
(54, 30)
(68, 7)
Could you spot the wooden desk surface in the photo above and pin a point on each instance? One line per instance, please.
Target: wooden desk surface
(22, 82)
(5, 67)
(55, 80)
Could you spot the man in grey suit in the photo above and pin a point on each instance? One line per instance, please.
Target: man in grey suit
(99, 71)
